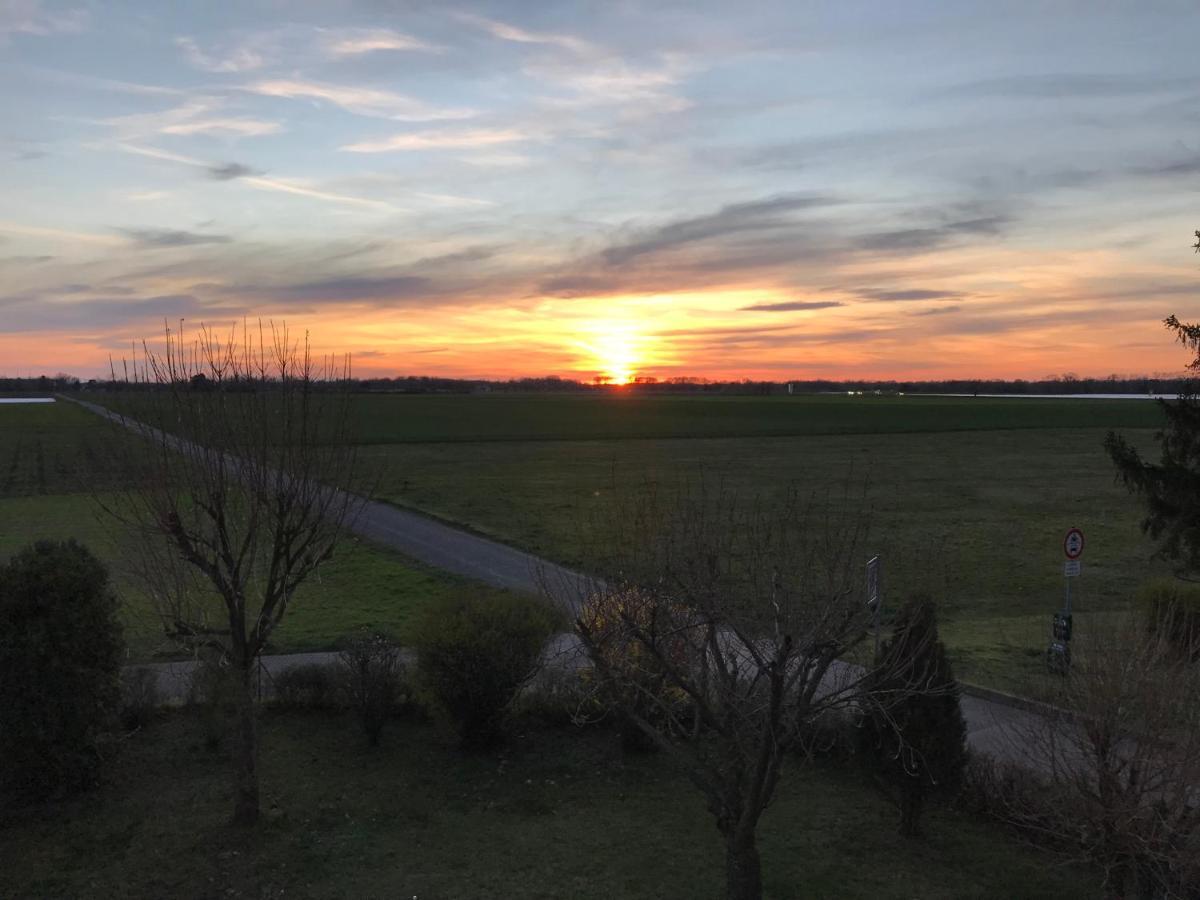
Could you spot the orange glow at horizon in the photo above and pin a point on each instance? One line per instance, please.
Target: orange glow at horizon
(1006, 313)
(617, 350)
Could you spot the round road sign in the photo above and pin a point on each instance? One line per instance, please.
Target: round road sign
(1073, 544)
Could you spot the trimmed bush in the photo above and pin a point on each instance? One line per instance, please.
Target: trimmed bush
(60, 658)
(1172, 608)
(914, 737)
(473, 656)
(373, 676)
(309, 686)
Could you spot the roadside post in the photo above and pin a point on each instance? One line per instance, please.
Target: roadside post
(1058, 656)
(874, 597)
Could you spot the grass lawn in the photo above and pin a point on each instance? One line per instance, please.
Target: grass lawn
(51, 452)
(561, 814)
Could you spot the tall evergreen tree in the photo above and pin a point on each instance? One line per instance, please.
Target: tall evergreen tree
(1171, 487)
(914, 736)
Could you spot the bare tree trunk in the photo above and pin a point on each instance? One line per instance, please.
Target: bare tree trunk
(743, 871)
(246, 802)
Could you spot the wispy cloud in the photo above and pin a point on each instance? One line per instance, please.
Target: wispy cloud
(195, 116)
(95, 83)
(453, 200)
(639, 91)
(169, 237)
(229, 171)
(364, 101)
(243, 57)
(507, 32)
(261, 182)
(901, 296)
(357, 41)
(937, 310)
(431, 140)
(239, 126)
(40, 312)
(31, 17)
(792, 306)
(351, 289)
(758, 215)
(36, 231)
(918, 239)
(305, 190)
(497, 160)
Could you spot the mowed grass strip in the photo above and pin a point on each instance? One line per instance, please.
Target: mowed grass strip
(396, 418)
(561, 814)
(363, 587)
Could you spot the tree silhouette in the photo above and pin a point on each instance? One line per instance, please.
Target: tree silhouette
(1171, 488)
(241, 493)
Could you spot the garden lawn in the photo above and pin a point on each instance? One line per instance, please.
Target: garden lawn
(561, 814)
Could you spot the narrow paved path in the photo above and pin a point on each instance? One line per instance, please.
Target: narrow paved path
(993, 727)
(444, 547)
(452, 550)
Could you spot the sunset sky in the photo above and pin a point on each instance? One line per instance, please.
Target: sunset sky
(776, 190)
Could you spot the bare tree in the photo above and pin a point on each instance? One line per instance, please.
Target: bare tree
(1113, 768)
(248, 476)
(721, 631)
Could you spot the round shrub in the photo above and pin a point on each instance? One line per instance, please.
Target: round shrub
(60, 657)
(473, 656)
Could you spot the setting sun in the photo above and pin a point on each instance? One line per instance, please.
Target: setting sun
(616, 351)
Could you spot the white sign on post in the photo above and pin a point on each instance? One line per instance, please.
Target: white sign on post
(1071, 568)
(873, 583)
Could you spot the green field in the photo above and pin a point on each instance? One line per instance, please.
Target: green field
(58, 471)
(392, 418)
(54, 448)
(975, 516)
(967, 497)
(562, 814)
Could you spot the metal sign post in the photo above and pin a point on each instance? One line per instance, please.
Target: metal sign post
(874, 596)
(1058, 656)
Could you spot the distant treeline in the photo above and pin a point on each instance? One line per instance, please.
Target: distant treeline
(428, 384)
